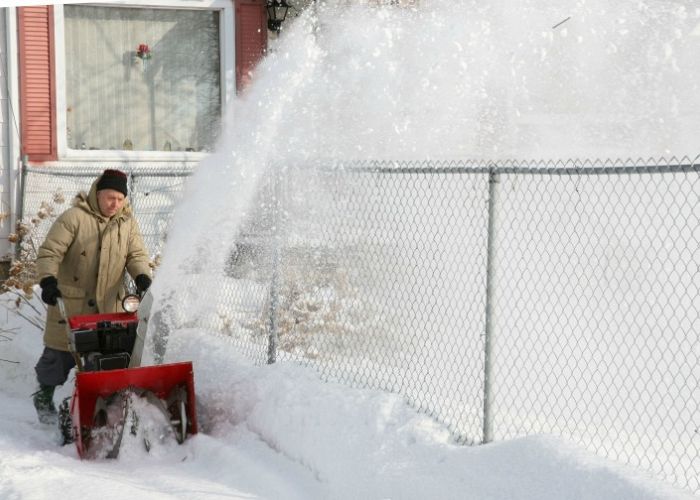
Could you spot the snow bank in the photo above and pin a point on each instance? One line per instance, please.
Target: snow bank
(280, 432)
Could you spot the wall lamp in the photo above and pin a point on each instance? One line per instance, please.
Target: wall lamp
(276, 13)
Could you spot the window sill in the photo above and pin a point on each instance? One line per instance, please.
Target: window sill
(131, 156)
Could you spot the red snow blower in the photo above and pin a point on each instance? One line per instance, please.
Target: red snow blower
(111, 387)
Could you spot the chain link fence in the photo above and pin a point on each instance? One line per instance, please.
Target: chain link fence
(503, 299)
(153, 194)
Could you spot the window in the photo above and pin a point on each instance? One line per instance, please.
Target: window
(164, 97)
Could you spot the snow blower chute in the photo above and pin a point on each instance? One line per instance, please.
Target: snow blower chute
(110, 385)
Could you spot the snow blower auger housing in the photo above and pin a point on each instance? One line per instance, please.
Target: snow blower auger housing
(109, 379)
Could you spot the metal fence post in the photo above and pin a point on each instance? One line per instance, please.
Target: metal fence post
(274, 282)
(22, 195)
(274, 301)
(488, 332)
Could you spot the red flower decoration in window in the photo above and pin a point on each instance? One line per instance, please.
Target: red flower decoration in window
(143, 52)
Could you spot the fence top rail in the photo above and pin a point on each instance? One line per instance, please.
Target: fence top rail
(569, 167)
(519, 167)
(608, 170)
(82, 171)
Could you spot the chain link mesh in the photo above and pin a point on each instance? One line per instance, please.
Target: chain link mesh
(153, 194)
(379, 274)
(595, 290)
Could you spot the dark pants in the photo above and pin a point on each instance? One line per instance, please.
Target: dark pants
(54, 366)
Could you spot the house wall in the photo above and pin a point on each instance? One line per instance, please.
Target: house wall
(6, 128)
(35, 36)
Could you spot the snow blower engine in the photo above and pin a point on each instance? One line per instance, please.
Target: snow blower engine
(104, 342)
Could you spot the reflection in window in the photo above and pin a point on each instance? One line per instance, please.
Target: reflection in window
(142, 79)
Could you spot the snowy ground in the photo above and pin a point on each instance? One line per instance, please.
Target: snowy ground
(279, 432)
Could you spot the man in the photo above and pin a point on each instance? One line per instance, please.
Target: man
(83, 260)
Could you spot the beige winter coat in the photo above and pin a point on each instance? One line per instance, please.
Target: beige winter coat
(88, 254)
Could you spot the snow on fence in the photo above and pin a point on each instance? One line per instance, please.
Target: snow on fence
(504, 299)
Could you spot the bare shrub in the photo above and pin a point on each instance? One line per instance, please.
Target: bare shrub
(18, 288)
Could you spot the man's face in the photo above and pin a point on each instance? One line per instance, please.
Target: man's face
(110, 201)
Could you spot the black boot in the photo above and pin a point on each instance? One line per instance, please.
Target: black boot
(43, 402)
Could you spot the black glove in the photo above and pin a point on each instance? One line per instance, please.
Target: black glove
(142, 283)
(49, 290)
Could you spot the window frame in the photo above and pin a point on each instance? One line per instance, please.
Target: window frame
(227, 74)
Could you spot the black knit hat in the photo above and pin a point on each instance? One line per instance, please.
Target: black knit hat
(113, 179)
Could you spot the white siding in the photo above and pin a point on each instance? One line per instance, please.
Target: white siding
(5, 138)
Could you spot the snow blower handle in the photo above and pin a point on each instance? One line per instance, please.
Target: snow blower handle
(64, 316)
(144, 315)
(62, 309)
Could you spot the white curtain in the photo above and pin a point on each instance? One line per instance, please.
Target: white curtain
(118, 100)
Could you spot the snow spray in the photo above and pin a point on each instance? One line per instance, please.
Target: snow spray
(347, 81)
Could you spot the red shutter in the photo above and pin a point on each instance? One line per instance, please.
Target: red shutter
(251, 38)
(37, 82)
